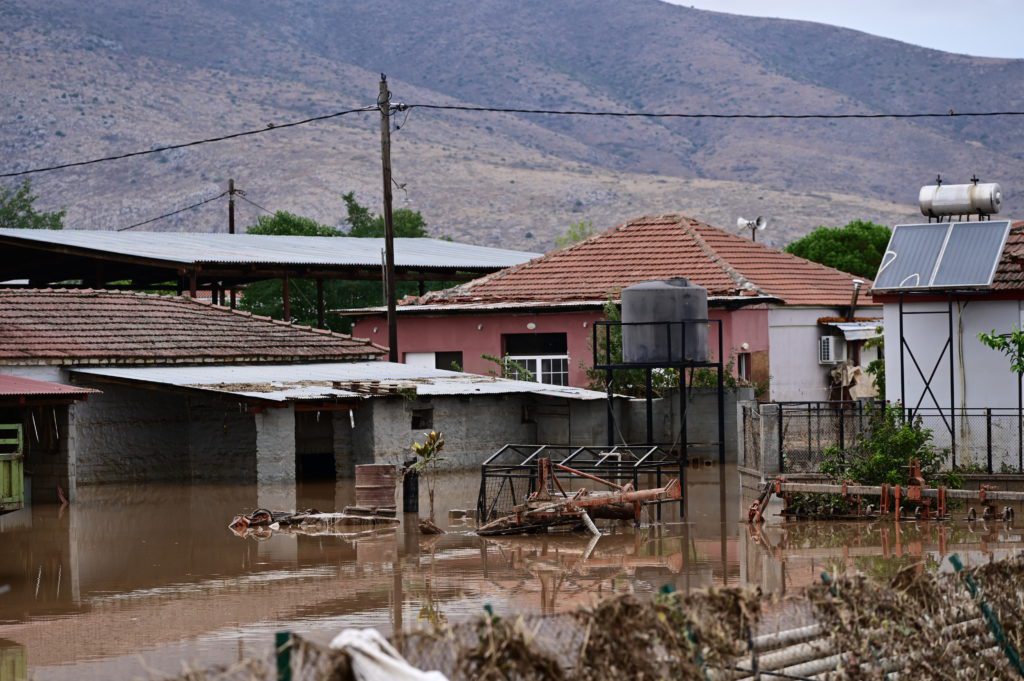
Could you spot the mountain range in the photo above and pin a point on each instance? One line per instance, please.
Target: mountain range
(83, 80)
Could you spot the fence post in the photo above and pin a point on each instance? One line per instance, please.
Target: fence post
(283, 650)
(842, 426)
(782, 464)
(988, 437)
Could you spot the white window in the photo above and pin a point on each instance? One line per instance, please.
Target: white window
(544, 355)
(542, 368)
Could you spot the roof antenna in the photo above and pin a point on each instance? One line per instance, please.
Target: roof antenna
(938, 180)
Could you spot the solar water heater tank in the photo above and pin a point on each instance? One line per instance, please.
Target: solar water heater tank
(938, 200)
(652, 331)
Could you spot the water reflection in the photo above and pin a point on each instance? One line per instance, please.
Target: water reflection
(154, 570)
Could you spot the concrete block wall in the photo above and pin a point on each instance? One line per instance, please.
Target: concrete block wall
(129, 434)
(474, 427)
(221, 440)
(576, 422)
(701, 420)
(353, 439)
(275, 445)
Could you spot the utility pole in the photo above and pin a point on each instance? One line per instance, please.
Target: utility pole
(231, 229)
(384, 104)
(231, 206)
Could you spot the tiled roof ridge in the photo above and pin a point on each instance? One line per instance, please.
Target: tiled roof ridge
(458, 292)
(186, 300)
(742, 283)
(781, 251)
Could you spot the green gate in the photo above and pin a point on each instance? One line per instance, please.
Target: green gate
(12, 468)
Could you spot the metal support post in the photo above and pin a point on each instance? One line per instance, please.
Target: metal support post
(952, 383)
(903, 379)
(782, 458)
(611, 408)
(988, 437)
(319, 303)
(649, 387)
(721, 399)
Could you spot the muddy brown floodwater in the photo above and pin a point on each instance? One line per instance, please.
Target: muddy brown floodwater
(131, 579)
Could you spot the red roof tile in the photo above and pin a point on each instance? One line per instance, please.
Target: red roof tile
(16, 386)
(1010, 273)
(662, 247)
(49, 326)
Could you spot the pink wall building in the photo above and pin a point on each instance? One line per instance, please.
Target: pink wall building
(541, 314)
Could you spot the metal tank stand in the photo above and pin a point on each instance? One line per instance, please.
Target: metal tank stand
(605, 360)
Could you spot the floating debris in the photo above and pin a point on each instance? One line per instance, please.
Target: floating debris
(313, 521)
(552, 508)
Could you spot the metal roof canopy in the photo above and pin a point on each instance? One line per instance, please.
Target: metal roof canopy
(326, 382)
(98, 257)
(854, 331)
(23, 390)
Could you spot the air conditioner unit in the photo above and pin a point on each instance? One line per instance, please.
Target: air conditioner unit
(832, 350)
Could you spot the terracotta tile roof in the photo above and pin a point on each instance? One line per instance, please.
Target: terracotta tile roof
(661, 247)
(16, 386)
(52, 326)
(1010, 273)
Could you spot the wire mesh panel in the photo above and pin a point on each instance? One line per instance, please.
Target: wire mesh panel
(799, 435)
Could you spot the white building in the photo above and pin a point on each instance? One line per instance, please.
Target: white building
(934, 362)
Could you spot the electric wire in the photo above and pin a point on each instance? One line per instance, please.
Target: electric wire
(242, 196)
(175, 212)
(951, 113)
(725, 116)
(270, 127)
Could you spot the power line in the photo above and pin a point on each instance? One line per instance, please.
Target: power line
(241, 195)
(649, 114)
(270, 127)
(951, 113)
(167, 215)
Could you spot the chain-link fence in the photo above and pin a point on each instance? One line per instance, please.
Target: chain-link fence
(792, 437)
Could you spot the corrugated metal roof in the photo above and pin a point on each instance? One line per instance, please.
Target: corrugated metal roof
(296, 382)
(190, 248)
(858, 330)
(18, 386)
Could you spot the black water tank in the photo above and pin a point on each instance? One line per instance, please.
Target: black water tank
(675, 301)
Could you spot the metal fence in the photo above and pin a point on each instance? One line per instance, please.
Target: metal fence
(792, 437)
(509, 476)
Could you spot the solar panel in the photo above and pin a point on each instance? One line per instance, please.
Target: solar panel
(971, 254)
(910, 258)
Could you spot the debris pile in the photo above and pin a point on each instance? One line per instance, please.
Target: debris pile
(552, 508)
(263, 522)
(963, 625)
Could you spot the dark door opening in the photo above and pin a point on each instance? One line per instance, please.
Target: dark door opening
(314, 446)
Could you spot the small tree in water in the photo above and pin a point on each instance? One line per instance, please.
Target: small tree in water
(428, 455)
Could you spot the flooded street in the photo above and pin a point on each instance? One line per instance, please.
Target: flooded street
(132, 579)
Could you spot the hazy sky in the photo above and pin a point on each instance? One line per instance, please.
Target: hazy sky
(988, 28)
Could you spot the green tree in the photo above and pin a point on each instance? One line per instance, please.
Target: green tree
(265, 297)
(578, 231)
(18, 212)
(283, 223)
(856, 248)
(362, 223)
